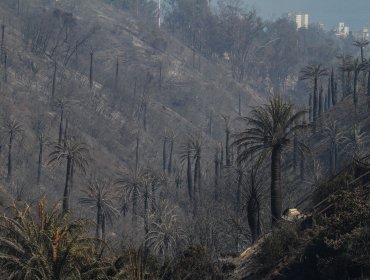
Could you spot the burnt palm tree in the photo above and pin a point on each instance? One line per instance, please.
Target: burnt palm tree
(365, 67)
(12, 128)
(313, 73)
(41, 134)
(361, 43)
(76, 154)
(133, 182)
(346, 68)
(253, 198)
(99, 195)
(334, 135)
(269, 131)
(356, 67)
(61, 104)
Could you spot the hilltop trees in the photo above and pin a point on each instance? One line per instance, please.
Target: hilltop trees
(269, 131)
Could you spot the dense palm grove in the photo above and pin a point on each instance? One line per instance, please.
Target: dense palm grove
(211, 187)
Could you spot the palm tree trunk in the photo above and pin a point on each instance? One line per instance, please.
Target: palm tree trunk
(135, 197)
(253, 217)
(227, 147)
(276, 199)
(189, 177)
(146, 207)
(153, 197)
(368, 89)
(66, 187)
(216, 176)
(91, 70)
(103, 224)
(98, 219)
(164, 154)
(295, 153)
(169, 169)
(239, 191)
(332, 159)
(41, 144)
(9, 177)
(61, 126)
(315, 100)
(54, 81)
(355, 88)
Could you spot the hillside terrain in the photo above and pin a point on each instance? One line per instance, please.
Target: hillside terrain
(116, 128)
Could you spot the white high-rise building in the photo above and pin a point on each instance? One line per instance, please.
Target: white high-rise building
(300, 19)
(342, 30)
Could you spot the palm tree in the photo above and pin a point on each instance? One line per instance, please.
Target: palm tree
(361, 43)
(133, 182)
(313, 73)
(76, 154)
(365, 67)
(40, 130)
(356, 144)
(41, 244)
(334, 135)
(100, 195)
(12, 128)
(61, 104)
(269, 131)
(165, 234)
(346, 68)
(197, 144)
(356, 67)
(253, 198)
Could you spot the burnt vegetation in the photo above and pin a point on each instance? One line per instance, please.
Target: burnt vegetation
(133, 151)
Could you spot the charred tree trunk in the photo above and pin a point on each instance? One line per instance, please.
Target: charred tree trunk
(39, 167)
(164, 154)
(91, 69)
(169, 169)
(66, 187)
(9, 177)
(276, 198)
(189, 176)
(54, 81)
(61, 126)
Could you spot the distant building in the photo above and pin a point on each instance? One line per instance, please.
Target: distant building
(300, 19)
(364, 34)
(342, 30)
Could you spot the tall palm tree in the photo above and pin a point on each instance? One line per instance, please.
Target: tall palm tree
(365, 67)
(12, 128)
(61, 104)
(41, 133)
(313, 73)
(269, 130)
(346, 68)
(334, 135)
(100, 195)
(76, 154)
(361, 43)
(356, 67)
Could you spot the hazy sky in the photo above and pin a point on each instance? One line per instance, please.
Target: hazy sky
(355, 13)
